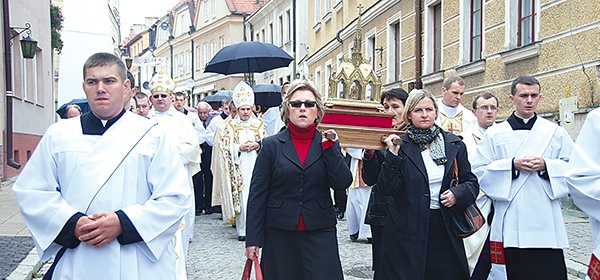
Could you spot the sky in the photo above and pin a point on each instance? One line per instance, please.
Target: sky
(134, 11)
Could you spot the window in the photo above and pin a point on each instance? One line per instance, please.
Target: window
(318, 79)
(281, 34)
(288, 22)
(327, 78)
(371, 50)
(317, 11)
(198, 56)
(271, 33)
(476, 28)
(262, 35)
(525, 33)
(393, 54)
(221, 42)
(437, 37)
(471, 36)
(214, 8)
(213, 48)
(205, 53)
(206, 10)
(327, 6)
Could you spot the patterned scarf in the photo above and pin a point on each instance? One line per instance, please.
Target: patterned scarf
(430, 136)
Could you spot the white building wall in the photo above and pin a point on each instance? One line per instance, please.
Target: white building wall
(87, 29)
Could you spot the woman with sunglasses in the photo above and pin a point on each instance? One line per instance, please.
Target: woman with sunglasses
(290, 212)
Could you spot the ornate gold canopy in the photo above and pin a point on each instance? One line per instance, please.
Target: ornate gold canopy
(355, 82)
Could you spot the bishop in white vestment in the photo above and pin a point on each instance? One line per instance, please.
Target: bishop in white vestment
(583, 177)
(238, 147)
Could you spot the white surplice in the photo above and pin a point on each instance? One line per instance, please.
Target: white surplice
(474, 243)
(583, 176)
(67, 174)
(272, 120)
(518, 203)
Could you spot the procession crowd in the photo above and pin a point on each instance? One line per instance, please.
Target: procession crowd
(122, 184)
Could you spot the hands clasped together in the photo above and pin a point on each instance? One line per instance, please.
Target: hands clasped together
(98, 229)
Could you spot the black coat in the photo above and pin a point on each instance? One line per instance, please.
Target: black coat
(282, 188)
(405, 234)
(378, 203)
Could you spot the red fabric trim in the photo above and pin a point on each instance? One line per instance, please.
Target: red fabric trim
(301, 226)
(594, 268)
(357, 120)
(497, 252)
(327, 144)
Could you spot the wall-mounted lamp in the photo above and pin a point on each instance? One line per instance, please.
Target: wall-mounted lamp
(128, 62)
(380, 50)
(297, 75)
(28, 45)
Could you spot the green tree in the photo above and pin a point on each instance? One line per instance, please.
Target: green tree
(56, 21)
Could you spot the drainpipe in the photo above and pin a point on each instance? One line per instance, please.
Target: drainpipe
(294, 40)
(10, 161)
(418, 44)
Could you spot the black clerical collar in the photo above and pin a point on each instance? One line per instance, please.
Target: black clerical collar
(185, 112)
(223, 115)
(518, 124)
(92, 125)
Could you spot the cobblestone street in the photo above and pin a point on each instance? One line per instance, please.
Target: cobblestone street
(217, 254)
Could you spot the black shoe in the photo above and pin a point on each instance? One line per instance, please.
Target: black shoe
(354, 237)
(369, 240)
(208, 211)
(198, 212)
(340, 215)
(241, 238)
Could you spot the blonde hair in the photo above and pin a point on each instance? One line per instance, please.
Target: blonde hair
(297, 85)
(414, 97)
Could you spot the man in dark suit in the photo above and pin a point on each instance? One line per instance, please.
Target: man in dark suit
(203, 180)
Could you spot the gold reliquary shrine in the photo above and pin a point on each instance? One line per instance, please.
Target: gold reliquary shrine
(352, 104)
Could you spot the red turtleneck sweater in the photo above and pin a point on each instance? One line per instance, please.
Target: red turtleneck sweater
(301, 138)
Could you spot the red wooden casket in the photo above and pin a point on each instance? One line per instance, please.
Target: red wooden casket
(358, 125)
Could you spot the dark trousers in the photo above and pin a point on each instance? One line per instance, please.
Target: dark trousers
(203, 181)
(376, 232)
(535, 263)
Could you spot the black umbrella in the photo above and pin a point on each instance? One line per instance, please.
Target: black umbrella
(82, 102)
(218, 96)
(266, 96)
(248, 57)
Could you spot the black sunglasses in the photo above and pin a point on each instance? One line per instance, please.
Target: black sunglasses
(307, 103)
(156, 96)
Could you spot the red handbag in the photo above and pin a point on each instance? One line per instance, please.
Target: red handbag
(248, 268)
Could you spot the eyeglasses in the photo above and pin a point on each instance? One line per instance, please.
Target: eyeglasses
(307, 103)
(487, 108)
(163, 96)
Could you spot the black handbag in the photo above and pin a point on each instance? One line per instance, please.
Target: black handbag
(466, 222)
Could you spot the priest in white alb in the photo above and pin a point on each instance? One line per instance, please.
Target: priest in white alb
(103, 190)
(583, 177)
(453, 116)
(485, 109)
(521, 164)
